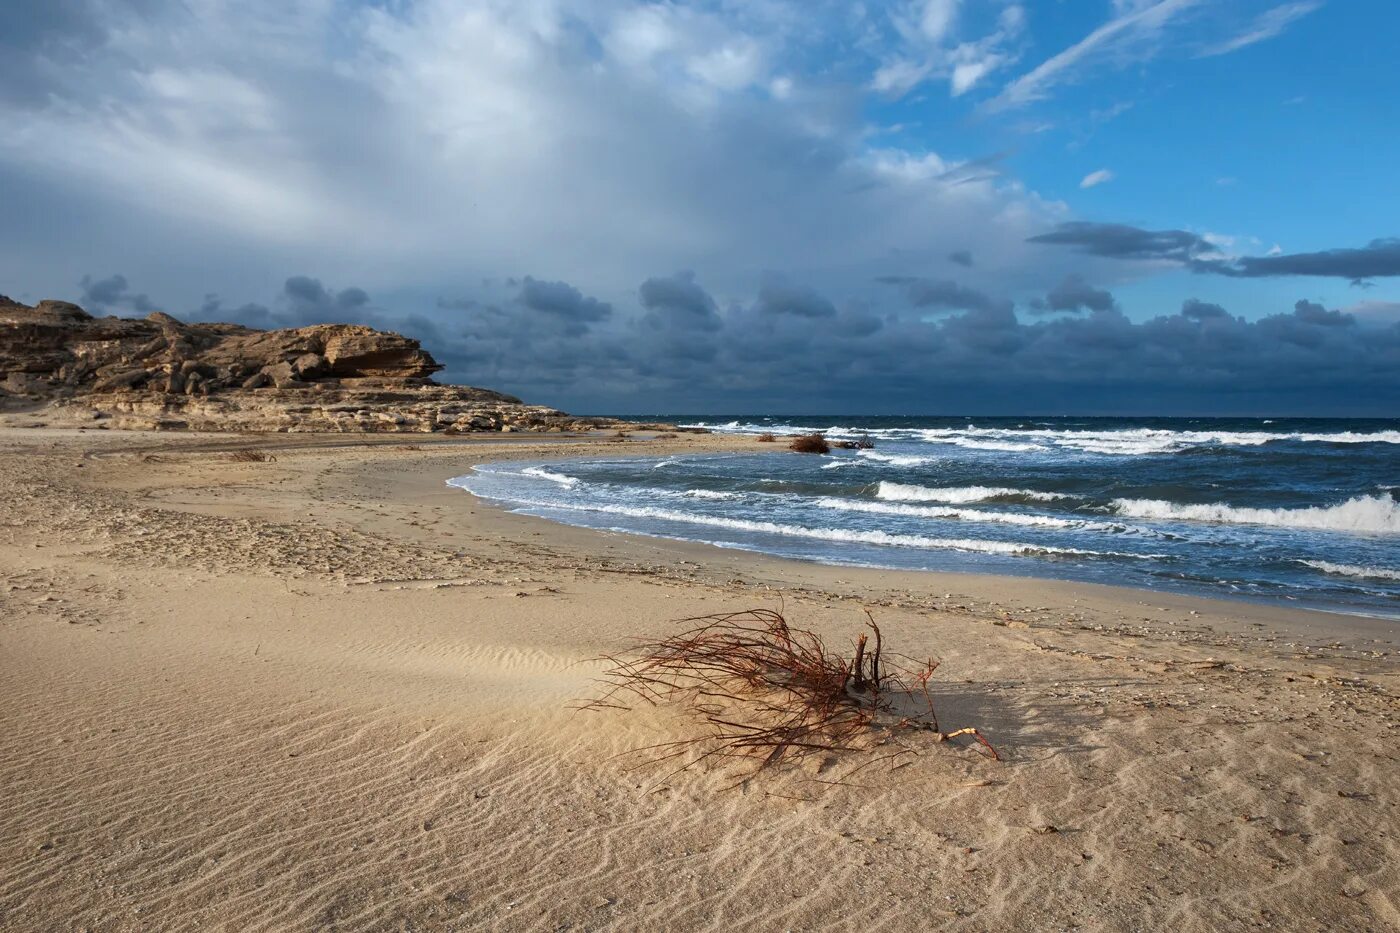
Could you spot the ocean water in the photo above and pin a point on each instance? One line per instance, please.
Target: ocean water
(1296, 511)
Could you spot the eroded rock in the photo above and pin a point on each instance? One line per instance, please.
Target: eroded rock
(159, 372)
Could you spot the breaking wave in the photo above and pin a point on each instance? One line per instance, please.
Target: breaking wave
(905, 492)
(1351, 570)
(968, 515)
(833, 534)
(1363, 514)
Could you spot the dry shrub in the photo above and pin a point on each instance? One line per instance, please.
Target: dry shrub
(810, 444)
(767, 437)
(770, 693)
(667, 436)
(249, 455)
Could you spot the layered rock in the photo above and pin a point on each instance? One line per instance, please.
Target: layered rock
(159, 372)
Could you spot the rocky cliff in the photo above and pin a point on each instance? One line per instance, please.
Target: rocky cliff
(159, 372)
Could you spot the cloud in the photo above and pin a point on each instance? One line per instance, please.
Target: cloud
(112, 294)
(765, 352)
(1197, 310)
(1379, 258)
(1121, 241)
(1094, 179)
(562, 299)
(679, 299)
(1203, 253)
(1074, 294)
(944, 295)
(602, 141)
(931, 49)
(961, 257)
(778, 297)
(1268, 25)
(1133, 35)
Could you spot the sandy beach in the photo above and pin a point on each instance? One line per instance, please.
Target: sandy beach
(329, 692)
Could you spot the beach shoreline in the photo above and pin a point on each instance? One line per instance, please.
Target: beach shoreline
(330, 691)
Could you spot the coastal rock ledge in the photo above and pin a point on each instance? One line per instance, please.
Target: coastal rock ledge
(161, 373)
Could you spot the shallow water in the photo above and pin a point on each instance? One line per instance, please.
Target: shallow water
(1300, 511)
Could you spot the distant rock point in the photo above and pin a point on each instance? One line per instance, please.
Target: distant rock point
(160, 372)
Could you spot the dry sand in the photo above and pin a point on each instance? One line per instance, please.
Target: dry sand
(330, 693)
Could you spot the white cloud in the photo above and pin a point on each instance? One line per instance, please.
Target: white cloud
(1093, 179)
(424, 146)
(1133, 34)
(1269, 24)
(930, 50)
(937, 19)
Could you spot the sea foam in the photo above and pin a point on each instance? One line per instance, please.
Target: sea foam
(907, 492)
(1363, 514)
(1351, 570)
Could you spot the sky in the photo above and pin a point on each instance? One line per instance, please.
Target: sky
(770, 206)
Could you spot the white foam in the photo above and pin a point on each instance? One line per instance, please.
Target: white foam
(1366, 514)
(542, 473)
(906, 492)
(709, 494)
(1120, 441)
(895, 459)
(1352, 570)
(966, 515)
(830, 534)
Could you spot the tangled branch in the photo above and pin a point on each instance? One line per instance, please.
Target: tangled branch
(769, 692)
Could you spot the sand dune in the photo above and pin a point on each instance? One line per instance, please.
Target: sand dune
(330, 693)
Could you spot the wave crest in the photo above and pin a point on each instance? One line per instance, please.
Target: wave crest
(1363, 514)
(907, 492)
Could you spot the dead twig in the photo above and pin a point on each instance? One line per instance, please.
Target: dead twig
(770, 693)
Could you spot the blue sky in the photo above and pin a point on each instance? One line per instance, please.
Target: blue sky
(911, 206)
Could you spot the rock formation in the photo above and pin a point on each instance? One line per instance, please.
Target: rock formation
(159, 372)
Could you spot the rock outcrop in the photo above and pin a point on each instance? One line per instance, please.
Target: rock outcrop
(158, 372)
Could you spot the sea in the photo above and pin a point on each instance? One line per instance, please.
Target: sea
(1301, 512)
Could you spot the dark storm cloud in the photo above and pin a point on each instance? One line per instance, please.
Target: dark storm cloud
(112, 294)
(1073, 294)
(1197, 310)
(962, 258)
(679, 299)
(777, 297)
(562, 299)
(1120, 241)
(944, 294)
(1377, 259)
(311, 302)
(748, 356)
(302, 302)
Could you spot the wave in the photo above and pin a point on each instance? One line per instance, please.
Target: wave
(560, 478)
(1351, 570)
(1364, 514)
(709, 494)
(1014, 548)
(1009, 446)
(895, 459)
(968, 515)
(1119, 442)
(906, 492)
